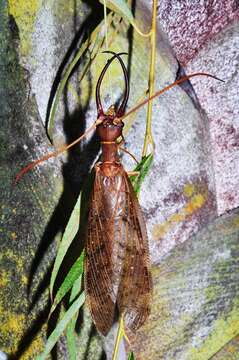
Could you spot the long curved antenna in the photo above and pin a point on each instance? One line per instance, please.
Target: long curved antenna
(54, 153)
(177, 82)
(100, 110)
(121, 108)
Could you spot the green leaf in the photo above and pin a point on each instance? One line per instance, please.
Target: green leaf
(131, 356)
(71, 339)
(143, 169)
(76, 288)
(121, 7)
(68, 236)
(55, 335)
(73, 275)
(70, 330)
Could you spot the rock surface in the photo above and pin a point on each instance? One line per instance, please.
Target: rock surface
(205, 37)
(195, 310)
(194, 177)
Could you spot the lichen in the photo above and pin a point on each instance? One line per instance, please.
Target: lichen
(223, 331)
(19, 261)
(34, 349)
(12, 328)
(24, 13)
(4, 278)
(196, 200)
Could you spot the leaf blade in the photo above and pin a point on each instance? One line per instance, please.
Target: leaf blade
(55, 335)
(68, 236)
(121, 7)
(131, 356)
(143, 168)
(73, 275)
(70, 330)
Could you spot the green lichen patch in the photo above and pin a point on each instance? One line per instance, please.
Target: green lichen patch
(24, 13)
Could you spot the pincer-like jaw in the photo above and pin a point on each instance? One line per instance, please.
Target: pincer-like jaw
(121, 109)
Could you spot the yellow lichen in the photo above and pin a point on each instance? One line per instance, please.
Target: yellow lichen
(34, 348)
(12, 328)
(188, 190)
(24, 13)
(14, 323)
(24, 280)
(196, 201)
(4, 278)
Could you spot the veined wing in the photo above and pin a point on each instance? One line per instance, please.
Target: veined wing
(117, 258)
(102, 267)
(136, 283)
(98, 265)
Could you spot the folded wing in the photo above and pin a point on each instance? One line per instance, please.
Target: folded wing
(117, 271)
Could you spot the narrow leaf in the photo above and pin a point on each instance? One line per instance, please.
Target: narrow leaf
(71, 339)
(68, 236)
(131, 356)
(70, 330)
(76, 288)
(121, 7)
(73, 275)
(143, 169)
(55, 335)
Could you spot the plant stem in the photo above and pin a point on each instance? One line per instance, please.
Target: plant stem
(148, 133)
(107, 48)
(120, 334)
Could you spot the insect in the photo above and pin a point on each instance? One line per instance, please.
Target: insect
(117, 270)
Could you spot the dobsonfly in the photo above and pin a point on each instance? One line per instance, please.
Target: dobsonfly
(117, 268)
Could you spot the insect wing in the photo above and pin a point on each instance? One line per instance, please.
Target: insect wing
(136, 283)
(117, 256)
(98, 265)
